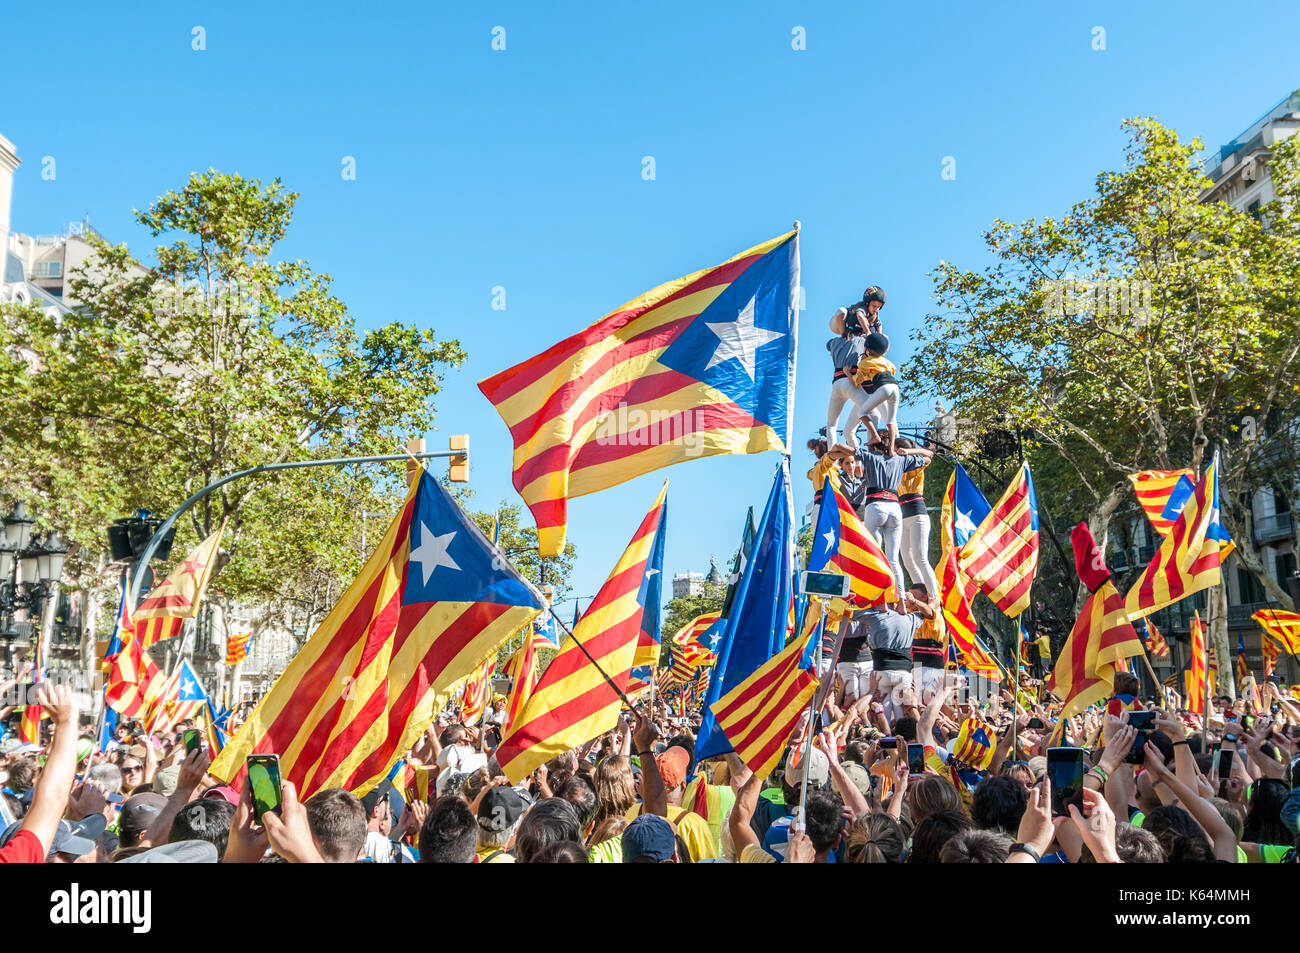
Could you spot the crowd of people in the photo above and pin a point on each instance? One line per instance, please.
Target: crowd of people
(952, 779)
(905, 762)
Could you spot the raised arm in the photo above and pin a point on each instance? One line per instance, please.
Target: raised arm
(742, 834)
(1205, 813)
(55, 783)
(853, 798)
(653, 793)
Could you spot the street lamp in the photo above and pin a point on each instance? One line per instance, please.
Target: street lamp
(18, 527)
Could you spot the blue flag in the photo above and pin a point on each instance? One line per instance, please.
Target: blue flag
(969, 507)
(756, 628)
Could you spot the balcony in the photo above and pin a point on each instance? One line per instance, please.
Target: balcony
(1269, 529)
(1239, 615)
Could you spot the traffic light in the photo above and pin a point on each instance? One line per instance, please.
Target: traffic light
(458, 471)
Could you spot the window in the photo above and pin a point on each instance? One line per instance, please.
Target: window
(1253, 209)
(48, 269)
(1249, 586)
(1280, 502)
(1284, 564)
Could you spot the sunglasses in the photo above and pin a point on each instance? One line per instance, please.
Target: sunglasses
(132, 767)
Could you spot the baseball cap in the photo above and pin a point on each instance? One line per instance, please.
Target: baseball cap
(375, 795)
(166, 779)
(672, 766)
(860, 777)
(500, 808)
(78, 839)
(223, 791)
(649, 837)
(139, 811)
(819, 770)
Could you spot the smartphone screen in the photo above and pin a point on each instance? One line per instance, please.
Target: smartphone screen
(192, 740)
(888, 744)
(264, 781)
(1225, 764)
(916, 759)
(1065, 769)
(1143, 721)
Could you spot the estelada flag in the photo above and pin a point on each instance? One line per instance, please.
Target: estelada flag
(181, 698)
(842, 544)
(1001, 556)
(573, 702)
(237, 648)
(692, 630)
(1195, 677)
(1190, 557)
(1101, 638)
(433, 600)
(1162, 494)
(759, 715)
(162, 613)
(957, 615)
(1282, 627)
(698, 366)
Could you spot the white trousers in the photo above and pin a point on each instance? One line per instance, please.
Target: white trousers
(915, 551)
(856, 677)
(884, 397)
(844, 391)
(885, 521)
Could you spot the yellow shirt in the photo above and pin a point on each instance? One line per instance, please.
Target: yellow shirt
(869, 367)
(827, 464)
(913, 481)
(754, 854)
(690, 827)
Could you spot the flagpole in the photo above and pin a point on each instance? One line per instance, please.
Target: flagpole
(1158, 685)
(1015, 687)
(800, 822)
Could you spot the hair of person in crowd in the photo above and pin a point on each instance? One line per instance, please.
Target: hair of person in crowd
(1180, 837)
(976, 847)
(209, 819)
(932, 795)
(338, 825)
(581, 795)
(875, 839)
(562, 852)
(449, 834)
(615, 788)
(998, 804)
(935, 831)
(549, 821)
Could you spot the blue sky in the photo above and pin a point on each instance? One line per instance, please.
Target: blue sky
(522, 168)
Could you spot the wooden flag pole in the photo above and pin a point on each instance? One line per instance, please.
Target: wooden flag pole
(1164, 701)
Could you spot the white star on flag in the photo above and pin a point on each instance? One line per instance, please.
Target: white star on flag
(829, 536)
(740, 339)
(964, 523)
(432, 552)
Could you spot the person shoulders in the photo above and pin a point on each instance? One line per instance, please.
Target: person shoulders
(914, 461)
(607, 852)
(695, 831)
(23, 848)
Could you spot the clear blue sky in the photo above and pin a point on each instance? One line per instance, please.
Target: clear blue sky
(522, 168)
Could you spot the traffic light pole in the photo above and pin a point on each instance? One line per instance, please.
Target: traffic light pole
(137, 574)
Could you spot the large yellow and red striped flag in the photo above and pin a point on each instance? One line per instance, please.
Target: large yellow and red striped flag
(1189, 558)
(842, 544)
(698, 366)
(573, 702)
(1195, 677)
(759, 715)
(1162, 494)
(161, 614)
(687, 658)
(1102, 638)
(957, 615)
(431, 603)
(1001, 556)
(1282, 627)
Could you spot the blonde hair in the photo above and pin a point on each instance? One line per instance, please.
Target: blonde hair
(615, 788)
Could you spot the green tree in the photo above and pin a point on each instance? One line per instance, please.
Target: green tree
(1136, 331)
(215, 358)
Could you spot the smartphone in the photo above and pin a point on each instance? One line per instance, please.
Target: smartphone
(192, 739)
(888, 744)
(916, 759)
(1225, 764)
(1143, 721)
(264, 781)
(1065, 770)
(1248, 721)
